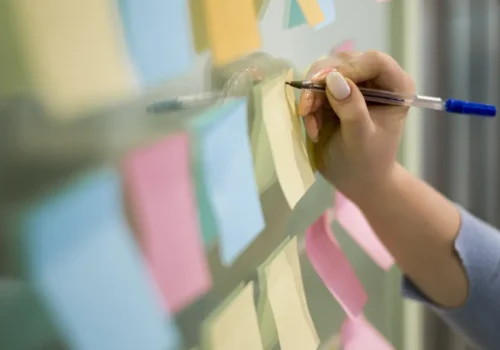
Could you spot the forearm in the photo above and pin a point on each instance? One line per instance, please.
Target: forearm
(419, 226)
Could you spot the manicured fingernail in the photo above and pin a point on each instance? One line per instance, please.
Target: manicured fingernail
(321, 74)
(337, 85)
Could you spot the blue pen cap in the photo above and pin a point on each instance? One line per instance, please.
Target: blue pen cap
(464, 107)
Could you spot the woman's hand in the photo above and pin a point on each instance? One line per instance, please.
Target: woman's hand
(356, 148)
(356, 143)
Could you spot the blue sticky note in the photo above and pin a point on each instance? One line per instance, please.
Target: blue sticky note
(328, 8)
(225, 156)
(83, 262)
(294, 16)
(158, 36)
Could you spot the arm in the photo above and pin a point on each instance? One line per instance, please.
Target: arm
(451, 258)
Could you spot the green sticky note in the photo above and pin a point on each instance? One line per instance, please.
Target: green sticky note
(294, 16)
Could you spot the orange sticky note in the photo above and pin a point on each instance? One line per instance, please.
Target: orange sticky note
(312, 11)
(163, 200)
(333, 268)
(359, 334)
(232, 29)
(354, 222)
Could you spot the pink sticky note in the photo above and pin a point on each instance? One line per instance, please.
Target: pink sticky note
(345, 46)
(354, 222)
(165, 212)
(359, 334)
(333, 268)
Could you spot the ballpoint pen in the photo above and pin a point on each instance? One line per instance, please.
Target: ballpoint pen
(435, 103)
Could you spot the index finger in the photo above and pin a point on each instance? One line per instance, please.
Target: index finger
(381, 70)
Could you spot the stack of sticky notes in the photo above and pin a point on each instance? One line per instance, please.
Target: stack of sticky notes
(284, 132)
(281, 281)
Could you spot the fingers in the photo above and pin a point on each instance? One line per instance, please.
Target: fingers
(349, 104)
(311, 107)
(380, 69)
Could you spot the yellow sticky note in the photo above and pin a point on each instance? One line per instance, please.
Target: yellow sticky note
(285, 291)
(232, 29)
(265, 174)
(261, 7)
(312, 11)
(199, 24)
(70, 53)
(286, 139)
(234, 324)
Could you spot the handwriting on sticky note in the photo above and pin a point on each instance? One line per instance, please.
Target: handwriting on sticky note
(158, 35)
(359, 334)
(162, 195)
(74, 53)
(328, 9)
(232, 29)
(234, 324)
(228, 176)
(354, 222)
(86, 266)
(287, 299)
(285, 138)
(333, 268)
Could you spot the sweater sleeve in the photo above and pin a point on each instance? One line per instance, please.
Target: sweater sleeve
(478, 246)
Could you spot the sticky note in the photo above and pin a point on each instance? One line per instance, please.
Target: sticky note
(310, 10)
(234, 324)
(69, 54)
(162, 197)
(354, 222)
(158, 36)
(358, 334)
(265, 173)
(232, 29)
(286, 139)
(82, 261)
(226, 166)
(261, 7)
(199, 25)
(294, 16)
(328, 9)
(283, 283)
(333, 268)
(347, 45)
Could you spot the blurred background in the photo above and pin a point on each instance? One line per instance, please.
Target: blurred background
(451, 48)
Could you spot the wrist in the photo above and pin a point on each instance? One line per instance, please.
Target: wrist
(375, 196)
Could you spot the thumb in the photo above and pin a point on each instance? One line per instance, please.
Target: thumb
(349, 105)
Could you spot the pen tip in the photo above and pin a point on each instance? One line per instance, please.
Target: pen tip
(295, 84)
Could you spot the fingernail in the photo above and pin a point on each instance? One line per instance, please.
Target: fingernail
(338, 86)
(322, 74)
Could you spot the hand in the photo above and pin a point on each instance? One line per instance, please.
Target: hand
(355, 144)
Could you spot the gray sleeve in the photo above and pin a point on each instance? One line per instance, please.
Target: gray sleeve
(478, 246)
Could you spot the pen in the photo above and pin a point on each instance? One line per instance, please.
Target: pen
(392, 98)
